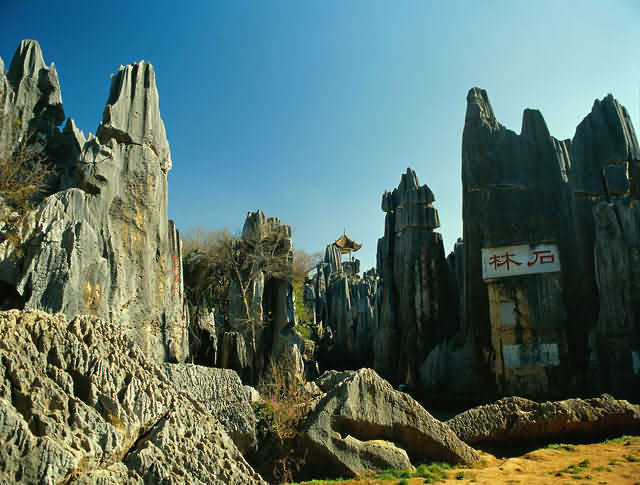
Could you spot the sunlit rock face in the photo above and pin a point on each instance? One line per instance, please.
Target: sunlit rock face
(101, 242)
(550, 259)
(80, 403)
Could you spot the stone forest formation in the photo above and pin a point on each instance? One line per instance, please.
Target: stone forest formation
(114, 369)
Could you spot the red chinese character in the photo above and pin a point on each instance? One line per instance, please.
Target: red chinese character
(498, 261)
(546, 257)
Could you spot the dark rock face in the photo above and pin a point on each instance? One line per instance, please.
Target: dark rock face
(550, 258)
(516, 421)
(361, 424)
(81, 403)
(101, 243)
(415, 301)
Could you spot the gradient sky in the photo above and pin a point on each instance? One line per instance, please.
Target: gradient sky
(310, 110)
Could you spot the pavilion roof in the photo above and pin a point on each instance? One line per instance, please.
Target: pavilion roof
(346, 244)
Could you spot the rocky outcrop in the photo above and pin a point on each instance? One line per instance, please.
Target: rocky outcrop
(345, 307)
(81, 403)
(203, 337)
(256, 345)
(517, 421)
(549, 259)
(416, 305)
(101, 243)
(30, 99)
(221, 393)
(362, 424)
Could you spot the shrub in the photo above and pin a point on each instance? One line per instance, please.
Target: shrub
(25, 175)
(279, 415)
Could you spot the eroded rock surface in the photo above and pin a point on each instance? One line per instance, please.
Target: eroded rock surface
(81, 403)
(515, 420)
(416, 305)
(345, 303)
(221, 393)
(362, 424)
(101, 242)
(560, 317)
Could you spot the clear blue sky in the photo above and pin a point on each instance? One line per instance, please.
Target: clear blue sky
(309, 110)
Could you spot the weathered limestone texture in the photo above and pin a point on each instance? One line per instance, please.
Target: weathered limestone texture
(361, 424)
(550, 257)
(221, 393)
(416, 303)
(515, 421)
(30, 98)
(345, 306)
(265, 344)
(101, 243)
(81, 403)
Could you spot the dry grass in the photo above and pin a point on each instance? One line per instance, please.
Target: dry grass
(614, 462)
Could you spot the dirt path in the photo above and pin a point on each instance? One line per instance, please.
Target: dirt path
(610, 463)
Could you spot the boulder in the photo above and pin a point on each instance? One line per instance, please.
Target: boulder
(221, 393)
(329, 379)
(81, 403)
(514, 421)
(363, 424)
(251, 394)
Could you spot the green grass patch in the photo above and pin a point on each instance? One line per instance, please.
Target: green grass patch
(632, 458)
(626, 437)
(432, 473)
(576, 470)
(322, 482)
(394, 474)
(561, 447)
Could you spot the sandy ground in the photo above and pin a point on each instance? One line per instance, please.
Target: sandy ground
(601, 463)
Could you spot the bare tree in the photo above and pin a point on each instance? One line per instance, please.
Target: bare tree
(262, 252)
(214, 261)
(25, 173)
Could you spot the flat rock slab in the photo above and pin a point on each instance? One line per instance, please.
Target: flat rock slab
(514, 420)
(363, 424)
(81, 403)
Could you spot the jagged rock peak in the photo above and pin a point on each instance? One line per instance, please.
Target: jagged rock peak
(36, 87)
(408, 181)
(132, 113)
(258, 222)
(409, 192)
(479, 108)
(610, 122)
(27, 61)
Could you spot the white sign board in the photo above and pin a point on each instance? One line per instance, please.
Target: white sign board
(519, 260)
(530, 355)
